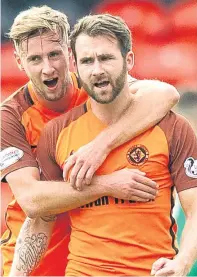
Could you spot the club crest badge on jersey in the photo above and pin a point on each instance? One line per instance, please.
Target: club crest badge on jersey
(190, 166)
(137, 155)
(10, 156)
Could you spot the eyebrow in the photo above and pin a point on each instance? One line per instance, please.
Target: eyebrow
(39, 55)
(55, 51)
(99, 56)
(84, 59)
(106, 56)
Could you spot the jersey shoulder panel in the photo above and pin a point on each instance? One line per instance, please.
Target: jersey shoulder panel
(64, 120)
(182, 144)
(15, 149)
(18, 102)
(46, 151)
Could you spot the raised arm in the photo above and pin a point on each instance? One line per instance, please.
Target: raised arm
(152, 100)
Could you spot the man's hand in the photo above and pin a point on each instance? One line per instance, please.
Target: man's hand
(85, 162)
(131, 184)
(167, 267)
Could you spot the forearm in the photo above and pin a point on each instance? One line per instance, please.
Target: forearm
(151, 101)
(59, 197)
(31, 245)
(188, 246)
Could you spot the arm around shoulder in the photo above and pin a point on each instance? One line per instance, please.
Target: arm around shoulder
(162, 96)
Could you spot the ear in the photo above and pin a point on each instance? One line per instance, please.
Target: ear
(130, 60)
(18, 61)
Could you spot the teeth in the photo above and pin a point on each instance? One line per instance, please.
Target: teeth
(102, 81)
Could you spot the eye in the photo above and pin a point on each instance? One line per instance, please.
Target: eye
(86, 61)
(35, 58)
(54, 54)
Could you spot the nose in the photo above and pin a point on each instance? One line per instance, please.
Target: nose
(48, 69)
(97, 68)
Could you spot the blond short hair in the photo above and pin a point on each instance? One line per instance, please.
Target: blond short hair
(37, 20)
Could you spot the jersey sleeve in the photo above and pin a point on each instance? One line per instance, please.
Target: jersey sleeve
(183, 152)
(15, 152)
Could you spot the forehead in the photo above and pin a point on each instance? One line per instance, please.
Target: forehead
(41, 43)
(86, 45)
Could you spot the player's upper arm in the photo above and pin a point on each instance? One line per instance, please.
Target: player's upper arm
(15, 152)
(183, 152)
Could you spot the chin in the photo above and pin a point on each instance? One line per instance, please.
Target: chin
(104, 100)
(107, 99)
(54, 97)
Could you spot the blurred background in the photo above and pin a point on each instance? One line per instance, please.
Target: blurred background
(164, 43)
(164, 36)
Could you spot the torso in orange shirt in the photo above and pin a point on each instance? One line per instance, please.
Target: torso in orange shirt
(24, 118)
(112, 236)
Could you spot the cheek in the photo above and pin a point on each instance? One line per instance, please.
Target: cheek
(85, 78)
(85, 73)
(63, 62)
(30, 73)
(34, 71)
(63, 68)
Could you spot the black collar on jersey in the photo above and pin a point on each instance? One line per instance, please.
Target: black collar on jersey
(77, 78)
(28, 96)
(85, 107)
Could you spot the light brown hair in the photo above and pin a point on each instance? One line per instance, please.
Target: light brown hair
(104, 25)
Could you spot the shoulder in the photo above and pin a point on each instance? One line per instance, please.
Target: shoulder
(64, 120)
(54, 127)
(182, 150)
(174, 123)
(17, 103)
(179, 134)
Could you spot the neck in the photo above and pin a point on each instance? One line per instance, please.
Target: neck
(111, 113)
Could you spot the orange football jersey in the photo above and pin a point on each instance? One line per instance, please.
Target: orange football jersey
(111, 236)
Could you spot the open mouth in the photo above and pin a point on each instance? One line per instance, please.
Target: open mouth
(51, 83)
(101, 84)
